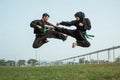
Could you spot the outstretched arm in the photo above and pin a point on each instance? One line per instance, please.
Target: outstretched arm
(66, 23)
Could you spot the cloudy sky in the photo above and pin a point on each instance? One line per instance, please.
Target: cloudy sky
(16, 36)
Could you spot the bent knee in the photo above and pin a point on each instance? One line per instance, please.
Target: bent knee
(34, 46)
(87, 45)
(83, 43)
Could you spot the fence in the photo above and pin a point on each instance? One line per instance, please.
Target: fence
(98, 57)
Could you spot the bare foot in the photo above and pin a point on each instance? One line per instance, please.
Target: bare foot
(74, 45)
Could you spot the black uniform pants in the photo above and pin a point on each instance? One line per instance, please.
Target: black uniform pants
(41, 38)
(80, 39)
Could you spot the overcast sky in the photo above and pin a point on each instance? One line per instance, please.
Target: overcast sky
(16, 36)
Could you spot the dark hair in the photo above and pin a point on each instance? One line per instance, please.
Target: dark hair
(79, 14)
(45, 14)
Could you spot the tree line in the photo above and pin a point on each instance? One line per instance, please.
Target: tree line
(34, 62)
(31, 62)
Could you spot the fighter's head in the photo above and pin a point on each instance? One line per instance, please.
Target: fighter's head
(45, 17)
(79, 15)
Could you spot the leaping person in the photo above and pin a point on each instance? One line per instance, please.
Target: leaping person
(43, 32)
(82, 24)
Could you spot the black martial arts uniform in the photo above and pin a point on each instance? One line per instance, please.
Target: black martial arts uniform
(78, 33)
(42, 35)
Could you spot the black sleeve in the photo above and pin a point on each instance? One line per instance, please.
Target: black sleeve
(33, 24)
(49, 24)
(67, 23)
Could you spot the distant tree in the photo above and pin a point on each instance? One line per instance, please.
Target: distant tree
(54, 63)
(81, 60)
(2, 62)
(117, 59)
(10, 63)
(32, 62)
(21, 62)
(87, 62)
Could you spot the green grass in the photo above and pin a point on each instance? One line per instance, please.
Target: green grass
(75, 72)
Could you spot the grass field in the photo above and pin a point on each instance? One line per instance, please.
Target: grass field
(109, 71)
